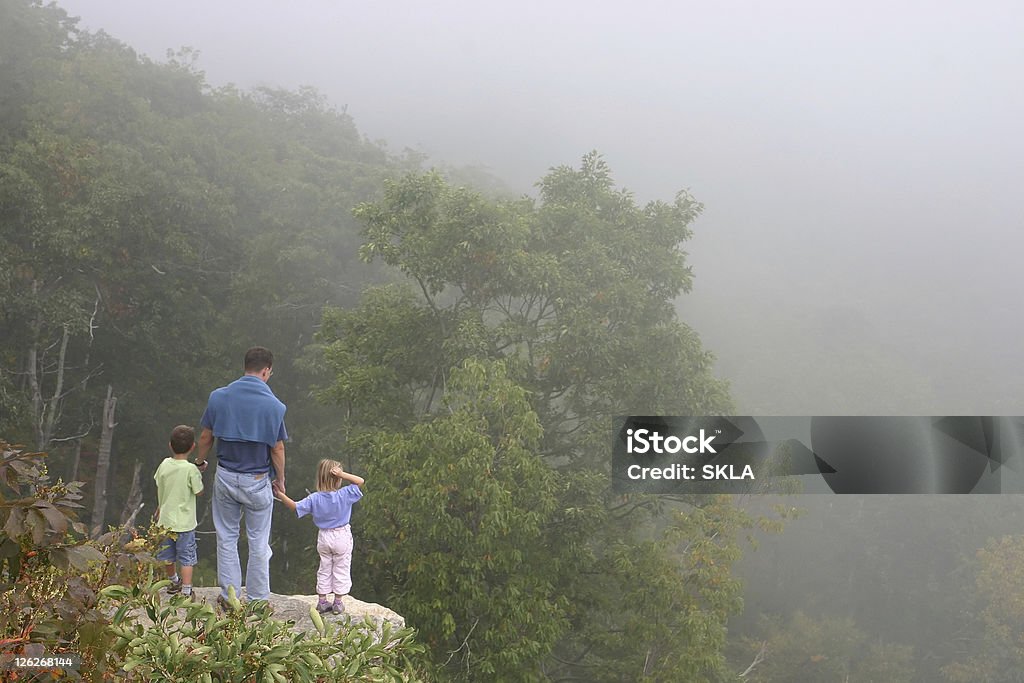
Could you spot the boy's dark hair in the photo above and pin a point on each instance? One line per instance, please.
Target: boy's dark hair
(182, 438)
(257, 358)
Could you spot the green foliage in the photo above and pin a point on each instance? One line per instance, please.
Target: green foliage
(571, 298)
(391, 342)
(901, 568)
(671, 613)
(186, 640)
(466, 510)
(807, 649)
(50, 576)
(571, 292)
(99, 599)
(991, 647)
(146, 218)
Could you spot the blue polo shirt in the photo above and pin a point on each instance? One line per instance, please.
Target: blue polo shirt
(246, 457)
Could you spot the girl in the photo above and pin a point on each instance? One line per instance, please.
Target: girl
(331, 508)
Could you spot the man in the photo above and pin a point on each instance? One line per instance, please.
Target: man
(248, 423)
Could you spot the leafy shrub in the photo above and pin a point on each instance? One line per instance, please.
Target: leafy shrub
(50, 573)
(191, 641)
(63, 593)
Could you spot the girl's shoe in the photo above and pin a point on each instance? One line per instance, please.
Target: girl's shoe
(323, 606)
(338, 607)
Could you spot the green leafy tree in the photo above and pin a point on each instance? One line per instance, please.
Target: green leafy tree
(146, 219)
(469, 514)
(576, 291)
(900, 568)
(573, 294)
(989, 647)
(803, 648)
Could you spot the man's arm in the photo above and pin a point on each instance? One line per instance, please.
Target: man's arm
(205, 445)
(277, 460)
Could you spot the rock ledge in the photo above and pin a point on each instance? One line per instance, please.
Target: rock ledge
(296, 608)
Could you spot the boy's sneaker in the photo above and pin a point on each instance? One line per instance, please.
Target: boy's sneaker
(323, 607)
(338, 607)
(174, 588)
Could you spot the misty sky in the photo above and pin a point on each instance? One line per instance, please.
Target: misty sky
(862, 157)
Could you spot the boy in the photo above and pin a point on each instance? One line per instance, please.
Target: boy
(178, 482)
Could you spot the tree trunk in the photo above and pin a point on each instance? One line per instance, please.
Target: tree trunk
(53, 410)
(134, 504)
(99, 506)
(46, 411)
(77, 460)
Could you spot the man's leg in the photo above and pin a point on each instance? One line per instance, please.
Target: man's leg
(227, 514)
(259, 510)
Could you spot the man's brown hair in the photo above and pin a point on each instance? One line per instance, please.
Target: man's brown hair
(182, 438)
(257, 358)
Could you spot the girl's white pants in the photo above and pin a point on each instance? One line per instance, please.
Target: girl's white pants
(335, 573)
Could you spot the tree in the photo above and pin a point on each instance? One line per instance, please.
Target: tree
(803, 648)
(576, 291)
(146, 218)
(468, 515)
(573, 295)
(991, 647)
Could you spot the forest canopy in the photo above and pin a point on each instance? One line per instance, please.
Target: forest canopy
(464, 350)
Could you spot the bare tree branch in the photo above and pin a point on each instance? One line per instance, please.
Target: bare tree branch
(758, 658)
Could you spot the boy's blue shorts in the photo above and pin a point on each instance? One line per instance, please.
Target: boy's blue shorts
(180, 547)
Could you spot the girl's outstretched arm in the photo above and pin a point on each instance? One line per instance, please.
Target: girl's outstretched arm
(289, 503)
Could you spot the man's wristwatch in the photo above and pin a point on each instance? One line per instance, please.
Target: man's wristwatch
(200, 464)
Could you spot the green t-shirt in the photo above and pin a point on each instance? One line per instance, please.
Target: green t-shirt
(177, 484)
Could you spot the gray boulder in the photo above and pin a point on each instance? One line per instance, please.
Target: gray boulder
(296, 608)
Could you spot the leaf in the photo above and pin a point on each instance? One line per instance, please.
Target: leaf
(15, 525)
(8, 548)
(59, 558)
(115, 592)
(38, 526)
(81, 555)
(57, 520)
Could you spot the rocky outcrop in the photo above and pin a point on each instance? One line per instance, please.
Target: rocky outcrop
(296, 608)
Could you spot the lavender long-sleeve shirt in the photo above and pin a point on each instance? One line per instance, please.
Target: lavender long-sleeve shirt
(330, 509)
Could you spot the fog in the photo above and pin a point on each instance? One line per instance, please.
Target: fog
(857, 161)
(860, 245)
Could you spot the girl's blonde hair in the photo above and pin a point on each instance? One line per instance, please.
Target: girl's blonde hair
(325, 481)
